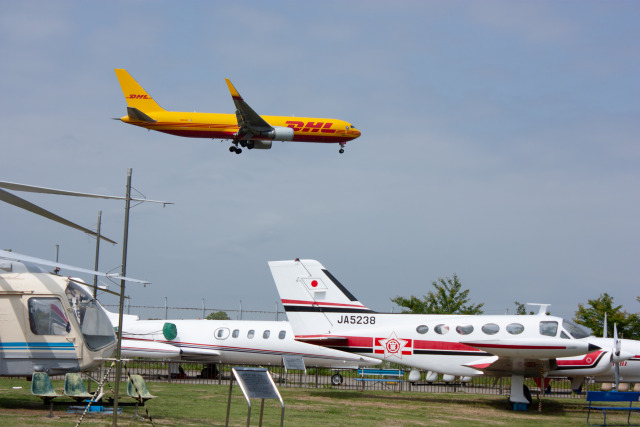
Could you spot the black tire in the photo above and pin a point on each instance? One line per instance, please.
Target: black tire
(341, 151)
(238, 150)
(232, 149)
(336, 379)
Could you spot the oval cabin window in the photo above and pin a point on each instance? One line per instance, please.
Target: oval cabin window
(515, 328)
(441, 329)
(422, 329)
(490, 329)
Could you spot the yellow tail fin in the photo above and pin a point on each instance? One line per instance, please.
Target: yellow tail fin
(134, 94)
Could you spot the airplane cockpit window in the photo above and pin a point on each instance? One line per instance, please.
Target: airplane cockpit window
(441, 329)
(46, 317)
(222, 333)
(251, 333)
(490, 329)
(564, 335)
(574, 330)
(94, 323)
(464, 329)
(282, 334)
(515, 328)
(266, 334)
(422, 329)
(549, 329)
(235, 333)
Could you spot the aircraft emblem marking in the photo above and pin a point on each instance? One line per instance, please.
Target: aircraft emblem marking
(311, 126)
(393, 346)
(134, 96)
(314, 284)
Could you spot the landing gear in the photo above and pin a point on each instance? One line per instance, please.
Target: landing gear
(336, 379)
(235, 149)
(341, 150)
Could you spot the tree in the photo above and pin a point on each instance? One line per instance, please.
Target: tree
(448, 298)
(592, 316)
(218, 315)
(521, 308)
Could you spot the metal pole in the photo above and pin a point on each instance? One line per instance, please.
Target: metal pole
(95, 277)
(121, 306)
(57, 251)
(240, 309)
(166, 311)
(203, 308)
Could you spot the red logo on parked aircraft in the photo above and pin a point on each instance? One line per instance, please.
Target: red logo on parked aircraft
(134, 96)
(393, 346)
(314, 283)
(324, 127)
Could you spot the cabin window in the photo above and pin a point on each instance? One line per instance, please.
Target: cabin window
(266, 334)
(422, 329)
(549, 329)
(235, 333)
(490, 329)
(515, 328)
(47, 317)
(222, 333)
(441, 329)
(282, 334)
(564, 335)
(251, 333)
(464, 329)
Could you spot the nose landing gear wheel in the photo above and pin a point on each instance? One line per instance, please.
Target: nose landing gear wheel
(341, 150)
(336, 379)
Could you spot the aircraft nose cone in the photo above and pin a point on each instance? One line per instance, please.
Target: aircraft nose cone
(356, 133)
(593, 347)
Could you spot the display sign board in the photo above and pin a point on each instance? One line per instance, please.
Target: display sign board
(293, 363)
(256, 383)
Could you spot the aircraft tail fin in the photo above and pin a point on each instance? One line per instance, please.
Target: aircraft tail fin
(137, 98)
(308, 291)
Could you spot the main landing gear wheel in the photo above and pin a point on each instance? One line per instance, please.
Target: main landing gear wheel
(336, 379)
(235, 149)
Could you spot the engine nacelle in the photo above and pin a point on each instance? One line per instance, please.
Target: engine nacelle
(431, 376)
(448, 378)
(260, 145)
(280, 133)
(414, 376)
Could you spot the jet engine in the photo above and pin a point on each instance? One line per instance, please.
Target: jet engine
(279, 133)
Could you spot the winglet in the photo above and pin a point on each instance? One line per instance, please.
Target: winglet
(234, 92)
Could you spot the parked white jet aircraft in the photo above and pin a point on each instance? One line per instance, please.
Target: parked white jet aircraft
(227, 341)
(323, 311)
(48, 323)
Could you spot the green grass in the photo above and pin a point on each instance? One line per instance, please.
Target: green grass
(197, 404)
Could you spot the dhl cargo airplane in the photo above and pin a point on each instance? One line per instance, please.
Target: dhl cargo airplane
(245, 128)
(322, 311)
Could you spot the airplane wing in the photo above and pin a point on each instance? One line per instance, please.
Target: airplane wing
(504, 366)
(149, 349)
(249, 121)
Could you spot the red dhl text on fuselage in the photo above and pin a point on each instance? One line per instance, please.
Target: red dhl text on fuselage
(225, 126)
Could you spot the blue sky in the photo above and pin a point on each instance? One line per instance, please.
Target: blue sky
(500, 143)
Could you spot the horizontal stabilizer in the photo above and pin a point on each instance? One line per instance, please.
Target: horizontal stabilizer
(136, 114)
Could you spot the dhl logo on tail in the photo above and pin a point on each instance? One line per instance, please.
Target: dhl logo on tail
(245, 128)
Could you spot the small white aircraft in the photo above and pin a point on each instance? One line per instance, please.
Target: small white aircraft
(228, 341)
(49, 323)
(322, 311)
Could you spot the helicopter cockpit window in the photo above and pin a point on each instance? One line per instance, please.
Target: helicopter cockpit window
(94, 323)
(47, 317)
